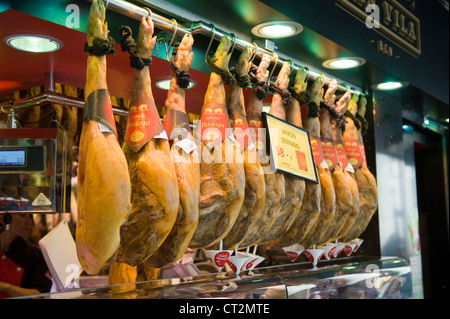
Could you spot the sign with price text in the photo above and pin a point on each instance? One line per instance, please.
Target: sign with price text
(290, 148)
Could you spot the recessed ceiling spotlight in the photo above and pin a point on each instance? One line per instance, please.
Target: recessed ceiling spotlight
(391, 85)
(165, 84)
(343, 63)
(277, 29)
(33, 42)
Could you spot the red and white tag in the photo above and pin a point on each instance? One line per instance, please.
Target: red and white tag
(238, 123)
(353, 151)
(316, 148)
(214, 125)
(221, 258)
(143, 124)
(257, 132)
(329, 152)
(342, 156)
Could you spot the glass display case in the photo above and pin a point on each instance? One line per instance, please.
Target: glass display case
(340, 278)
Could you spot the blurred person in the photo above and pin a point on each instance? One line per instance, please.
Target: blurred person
(23, 270)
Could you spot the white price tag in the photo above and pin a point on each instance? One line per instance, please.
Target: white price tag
(231, 137)
(186, 145)
(251, 146)
(162, 135)
(103, 128)
(350, 168)
(324, 164)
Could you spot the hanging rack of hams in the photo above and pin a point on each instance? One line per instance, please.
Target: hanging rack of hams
(255, 186)
(367, 187)
(199, 189)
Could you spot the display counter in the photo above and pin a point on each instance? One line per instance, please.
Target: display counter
(340, 278)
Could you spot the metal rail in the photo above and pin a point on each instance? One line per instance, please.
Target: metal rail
(50, 97)
(135, 12)
(199, 27)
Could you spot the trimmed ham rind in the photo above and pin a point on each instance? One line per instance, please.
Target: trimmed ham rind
(222, 176)
(154, 192)
(255, 186)
(103, 181)
(367, 185)
(187, 170)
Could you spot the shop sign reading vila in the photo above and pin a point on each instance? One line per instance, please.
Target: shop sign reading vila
(390, 19)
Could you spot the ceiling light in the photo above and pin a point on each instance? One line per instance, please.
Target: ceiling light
(392, 85)
(343, 63)
(33, 42)
(165, 84)
(277, 29)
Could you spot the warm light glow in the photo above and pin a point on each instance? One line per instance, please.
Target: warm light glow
(266, 108)
(33, 43)
(165, 84)
(389, 86)
(277, 29)
(343, 63)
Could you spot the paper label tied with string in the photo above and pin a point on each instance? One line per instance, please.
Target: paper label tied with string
(98, 108)
(241, 131)
(214, 125)
(143, 123)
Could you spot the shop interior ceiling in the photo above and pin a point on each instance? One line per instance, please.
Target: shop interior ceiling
(21, 70)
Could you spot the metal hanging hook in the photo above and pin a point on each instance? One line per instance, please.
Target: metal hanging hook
(233, 38)
(275, 58)
(255, 51)
(213, 33)
(291, 67)
(308, 74)
(175, 27)
(150, 13)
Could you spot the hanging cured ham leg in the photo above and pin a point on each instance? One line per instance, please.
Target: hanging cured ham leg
(254, 109)
(294, 186)
(103, 181)
(337, 124)
(154, 193)
(327, 193)
(186, 160)
(275, 191)
(255, 187)
(344, 197)
(222, 177)
(367, 186)
(310, 209)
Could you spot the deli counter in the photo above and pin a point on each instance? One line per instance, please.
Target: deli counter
(340, 278)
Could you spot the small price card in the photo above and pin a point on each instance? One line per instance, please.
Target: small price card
(290, 148)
